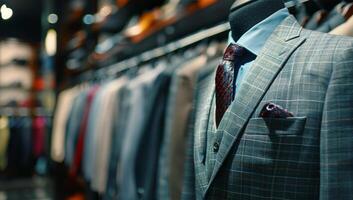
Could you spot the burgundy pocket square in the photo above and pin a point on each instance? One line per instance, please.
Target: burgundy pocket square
(271, 110)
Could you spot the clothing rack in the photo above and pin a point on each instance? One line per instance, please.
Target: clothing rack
(156, 53)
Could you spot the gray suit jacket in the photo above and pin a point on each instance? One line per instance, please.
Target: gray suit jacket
(308, 156)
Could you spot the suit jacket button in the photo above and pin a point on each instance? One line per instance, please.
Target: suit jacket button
(215, 147)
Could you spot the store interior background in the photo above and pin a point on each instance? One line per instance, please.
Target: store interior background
(27, 93)
(44, 47)
(49, 45)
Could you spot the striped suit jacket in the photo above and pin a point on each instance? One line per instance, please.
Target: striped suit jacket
(308, 156)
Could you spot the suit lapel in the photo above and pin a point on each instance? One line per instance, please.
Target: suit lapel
(278, 48)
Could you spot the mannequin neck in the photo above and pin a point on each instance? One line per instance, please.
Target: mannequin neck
(246, 15)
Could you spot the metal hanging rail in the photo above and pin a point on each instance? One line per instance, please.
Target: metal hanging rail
(159, 51)
(24, 112)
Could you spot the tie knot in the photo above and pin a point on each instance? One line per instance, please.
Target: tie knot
(233, 52)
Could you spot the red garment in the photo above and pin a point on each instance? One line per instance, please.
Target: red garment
(38, 136)
(82, 132)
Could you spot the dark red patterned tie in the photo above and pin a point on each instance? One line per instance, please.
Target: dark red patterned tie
(225, 78)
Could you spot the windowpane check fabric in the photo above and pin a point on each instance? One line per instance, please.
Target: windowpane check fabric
(307, 156)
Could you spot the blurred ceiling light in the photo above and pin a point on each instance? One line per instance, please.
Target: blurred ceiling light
(88, 19)
(50, 42)
(52, 18)
(6, 12)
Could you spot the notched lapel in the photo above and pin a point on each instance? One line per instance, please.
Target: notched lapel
(278, 48)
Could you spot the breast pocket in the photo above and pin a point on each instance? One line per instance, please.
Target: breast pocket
(276, 126)
(272, 152)
(273, 158)
(272, 141)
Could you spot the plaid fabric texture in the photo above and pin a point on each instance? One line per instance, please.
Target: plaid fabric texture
(308, 156)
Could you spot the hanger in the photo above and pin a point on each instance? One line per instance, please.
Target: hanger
(245, 14)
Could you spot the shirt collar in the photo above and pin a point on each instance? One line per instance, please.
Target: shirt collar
(255, 38)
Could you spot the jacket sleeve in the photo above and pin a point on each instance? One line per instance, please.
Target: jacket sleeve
(336, 134)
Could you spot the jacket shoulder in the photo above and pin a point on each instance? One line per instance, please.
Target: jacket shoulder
(328, 40)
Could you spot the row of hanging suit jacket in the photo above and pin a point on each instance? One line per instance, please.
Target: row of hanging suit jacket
(337, 20)
(127, 136)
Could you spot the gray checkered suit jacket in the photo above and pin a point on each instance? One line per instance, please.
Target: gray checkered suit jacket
(308, 156)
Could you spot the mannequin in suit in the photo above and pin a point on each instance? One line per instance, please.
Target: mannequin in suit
(304, 156)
